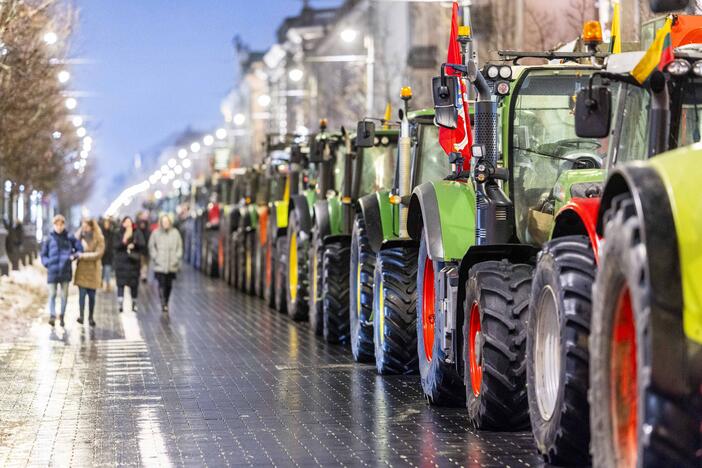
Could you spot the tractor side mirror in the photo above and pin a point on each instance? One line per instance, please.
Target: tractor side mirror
(317, 150)
(365, 134)
(593, 112)
(444, 90)
(664, 6)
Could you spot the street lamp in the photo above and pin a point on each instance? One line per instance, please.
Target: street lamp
(50, 38)
(77, 121)
(349, 35)
(195, 147)
(182, 153)
(264, 100)
(81, 132)
(71, 103)
(295, 74)
(239, 119)
(221, 134)
(208, 140)
(64, 76)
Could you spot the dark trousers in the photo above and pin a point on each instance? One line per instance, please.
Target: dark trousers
(133, 288)
(165, 285)
(82, 292)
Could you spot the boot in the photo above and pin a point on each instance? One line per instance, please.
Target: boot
(52, 320)
(61, 321)
(120, 300)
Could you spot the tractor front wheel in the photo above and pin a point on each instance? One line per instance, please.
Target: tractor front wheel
(361, 273)
(298, 249)
(634, 423)
(494, 333)
(316, 306)
(281, 280)
(335, 291)
(557, 352)
(441, 383)
(394, 311)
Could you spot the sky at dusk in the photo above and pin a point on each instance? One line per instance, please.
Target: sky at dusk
(153, 67)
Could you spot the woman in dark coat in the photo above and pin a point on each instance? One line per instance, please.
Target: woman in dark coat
(127, 261)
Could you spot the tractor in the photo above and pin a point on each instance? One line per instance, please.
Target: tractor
(245, 224)
(354, 170)
(479, 229)
(383, 261)
(641, 407)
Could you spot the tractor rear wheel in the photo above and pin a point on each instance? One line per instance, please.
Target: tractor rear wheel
(298, 250)
(441, 383)
(361, 293)
(494, 333)
(557, 352)
(634, 423)
(316, 306)
(335, 270)
(260, 265)
(239, 279)
(395, 311)
(281, 280)
(269, 272)
(250, 255)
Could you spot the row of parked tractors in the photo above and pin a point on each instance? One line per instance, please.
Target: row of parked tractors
(552, 282)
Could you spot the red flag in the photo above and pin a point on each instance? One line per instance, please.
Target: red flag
(459, 139)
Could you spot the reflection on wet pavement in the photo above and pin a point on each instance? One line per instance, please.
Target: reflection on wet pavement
(222, 380)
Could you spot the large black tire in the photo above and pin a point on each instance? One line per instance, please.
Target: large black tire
(633, 421)
(269, 269)
(231, 259)
(281, 270)
(335, 316)
(316, 305)
(441, 382)
(395, 311)
(297, 253)
(240, 260)
(250, 255)
(361, 273)
(557, 351)
(259, 269)
(497, 301)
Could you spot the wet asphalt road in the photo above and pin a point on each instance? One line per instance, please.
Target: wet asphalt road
(222, 380)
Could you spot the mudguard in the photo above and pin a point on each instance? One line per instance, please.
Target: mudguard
(334, 209)
(321, 218)
(263, 214)
(251, 217)
(377, 213)
(445, 212)
(579, 217)
(301, 206)
(664, 190)
(281, 213)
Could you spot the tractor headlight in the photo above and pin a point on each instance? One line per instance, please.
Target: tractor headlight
(678, 67)
(697, 68)
(493, 72)
(506, 72)
(502, 88)
(384, 141)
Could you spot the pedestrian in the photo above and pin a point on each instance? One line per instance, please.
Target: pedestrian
(166, 252)
(88, 276)
(130, 245)
(57, 253)
(109, 235)
(143, 227)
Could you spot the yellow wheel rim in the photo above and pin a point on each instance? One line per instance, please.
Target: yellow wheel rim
(314, 276)
(292, 267)
(358, 290)
(381, 311)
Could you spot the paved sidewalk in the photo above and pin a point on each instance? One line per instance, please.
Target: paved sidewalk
(220, 381)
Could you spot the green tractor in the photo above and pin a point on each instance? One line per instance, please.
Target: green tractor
(644, 405)
(353, 171)
(479, 230)
(383, 261)
(227, 192)
(244, 242)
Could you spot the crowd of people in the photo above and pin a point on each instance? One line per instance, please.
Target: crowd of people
(102, 247)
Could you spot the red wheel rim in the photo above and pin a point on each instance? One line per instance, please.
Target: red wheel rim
(474, 361)
(268, 265)
(428, 315)
(623, 382)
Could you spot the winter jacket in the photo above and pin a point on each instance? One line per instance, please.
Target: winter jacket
(56, 254)
(126, 263)
(89, 268)
(110, 243)
(166, 250)
(143, 227)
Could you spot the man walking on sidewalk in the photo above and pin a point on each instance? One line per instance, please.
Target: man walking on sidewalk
(57, 253)
(166, 252)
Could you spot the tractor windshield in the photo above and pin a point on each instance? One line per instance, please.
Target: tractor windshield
(544, 141)
(433, 163)
(339, 166)
(378, 166)
(687, 112)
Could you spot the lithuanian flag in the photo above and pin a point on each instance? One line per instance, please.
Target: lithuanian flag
(657, 56)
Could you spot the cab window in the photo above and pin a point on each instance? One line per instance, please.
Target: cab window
(433, 161)
(378, 166)
(633, 139)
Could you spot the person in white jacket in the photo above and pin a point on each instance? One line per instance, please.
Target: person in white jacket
(166, 253)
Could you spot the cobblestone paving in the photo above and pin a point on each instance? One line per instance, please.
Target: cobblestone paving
(220, 381)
